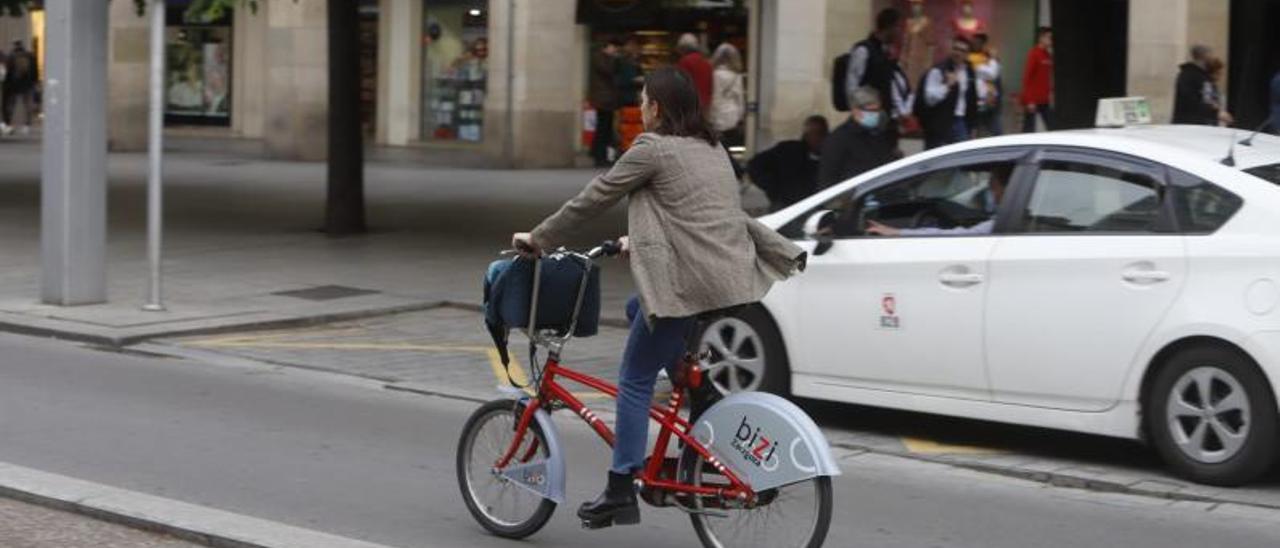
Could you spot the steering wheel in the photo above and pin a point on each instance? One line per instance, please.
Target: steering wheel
(921, 216)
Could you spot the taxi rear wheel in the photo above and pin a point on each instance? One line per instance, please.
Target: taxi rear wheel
(745, 353)
(1212, 416)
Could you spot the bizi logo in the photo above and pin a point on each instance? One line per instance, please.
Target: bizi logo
(753, 445)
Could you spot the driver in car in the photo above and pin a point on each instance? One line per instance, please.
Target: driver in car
(996, 184)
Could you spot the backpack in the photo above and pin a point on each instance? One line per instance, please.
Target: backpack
(839, 74)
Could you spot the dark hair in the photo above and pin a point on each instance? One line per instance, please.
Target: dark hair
(1040, 32)
(981, 37)
(817, 119)
(679, 111)
(887, 18)
(615, 41)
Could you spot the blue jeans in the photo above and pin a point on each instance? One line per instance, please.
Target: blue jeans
(647, 351)
(959, 131)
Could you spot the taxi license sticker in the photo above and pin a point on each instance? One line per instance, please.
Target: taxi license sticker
(889, 312)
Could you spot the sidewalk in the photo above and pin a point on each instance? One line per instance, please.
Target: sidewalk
(24, 525)
(242, 232)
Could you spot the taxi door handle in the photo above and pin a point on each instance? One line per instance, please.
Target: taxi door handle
(960, 279)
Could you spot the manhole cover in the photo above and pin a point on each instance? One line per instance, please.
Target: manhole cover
(326, 292)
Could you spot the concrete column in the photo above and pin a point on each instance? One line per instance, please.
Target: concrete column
(249, 72)
(399, 71)
(1161, 33)
(544, 114)
(297, 92)
(798, 43)
(128, 47)
(73, 223)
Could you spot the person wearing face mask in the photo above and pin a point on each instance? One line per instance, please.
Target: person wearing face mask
(860, 144)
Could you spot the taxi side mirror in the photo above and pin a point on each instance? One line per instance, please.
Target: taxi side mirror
(819, 227)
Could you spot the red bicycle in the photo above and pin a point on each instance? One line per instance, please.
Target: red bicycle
(751, 470)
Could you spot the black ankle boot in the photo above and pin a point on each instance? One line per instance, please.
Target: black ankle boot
(617, 505)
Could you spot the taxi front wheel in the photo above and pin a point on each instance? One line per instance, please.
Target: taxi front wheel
(745, 353)
(1212, 417)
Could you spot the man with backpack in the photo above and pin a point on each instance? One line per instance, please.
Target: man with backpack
(947, 103)
(19, 86)
(870, 64)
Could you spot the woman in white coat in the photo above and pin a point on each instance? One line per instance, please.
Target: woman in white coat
(728, 95)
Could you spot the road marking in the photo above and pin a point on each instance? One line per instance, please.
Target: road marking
(504, 376)
(930, 447)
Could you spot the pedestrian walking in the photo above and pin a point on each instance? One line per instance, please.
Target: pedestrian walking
(692, 249)
(1275, 103)
(694, 63)
(1215, 67)
(603, 94)
(860, 144)
(986, 66)
(947, 102)
(19, 88)
(1037, 83)
(629, 79)
(729, 96)
(871, 63)
(1193, 100)
(788, 171)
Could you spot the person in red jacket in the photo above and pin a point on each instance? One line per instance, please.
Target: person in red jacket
(694, 63)
(1037, 82)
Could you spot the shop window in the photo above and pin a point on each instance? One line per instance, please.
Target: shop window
(455, 69)
(198, 75)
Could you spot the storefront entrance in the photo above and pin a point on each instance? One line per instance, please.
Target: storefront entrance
(650, 30)
(198, 76)
(1254, 59)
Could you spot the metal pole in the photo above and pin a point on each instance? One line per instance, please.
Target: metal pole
(73, 197)
(508, 135)
(155, 219)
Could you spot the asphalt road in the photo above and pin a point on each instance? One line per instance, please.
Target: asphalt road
(345, 456)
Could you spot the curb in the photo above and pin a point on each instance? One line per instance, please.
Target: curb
(279, 323)
(1057, 479)
(190, 522)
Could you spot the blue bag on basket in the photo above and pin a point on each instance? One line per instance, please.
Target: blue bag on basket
(508, 288)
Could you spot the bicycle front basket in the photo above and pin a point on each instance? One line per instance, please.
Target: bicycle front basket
(562, 276)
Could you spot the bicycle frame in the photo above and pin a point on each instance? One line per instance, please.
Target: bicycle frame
(551, 394)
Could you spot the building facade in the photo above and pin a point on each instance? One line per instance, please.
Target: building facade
(507, 79)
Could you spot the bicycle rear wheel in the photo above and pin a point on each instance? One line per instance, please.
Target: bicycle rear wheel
(504, 508)
(792, 516)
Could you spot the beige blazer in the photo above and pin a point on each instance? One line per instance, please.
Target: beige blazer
(693, 248)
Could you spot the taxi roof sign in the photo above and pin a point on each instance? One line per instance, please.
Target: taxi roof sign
(1123, 111)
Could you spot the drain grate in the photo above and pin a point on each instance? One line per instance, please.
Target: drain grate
(326, 292)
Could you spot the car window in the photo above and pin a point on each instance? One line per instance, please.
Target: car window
(943, 199)
(1203, 206)
(1269, 173)
(1077, 197)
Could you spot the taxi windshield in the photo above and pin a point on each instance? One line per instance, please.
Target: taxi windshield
(1269, 173)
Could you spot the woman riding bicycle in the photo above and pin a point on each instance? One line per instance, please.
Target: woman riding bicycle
(692, 250)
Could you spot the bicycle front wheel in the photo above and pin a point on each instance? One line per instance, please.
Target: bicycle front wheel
(504, 508)
(792, 516)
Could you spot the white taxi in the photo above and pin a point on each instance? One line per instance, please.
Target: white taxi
(1122, 282)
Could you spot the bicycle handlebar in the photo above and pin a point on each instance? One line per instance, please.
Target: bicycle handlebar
(607, 248)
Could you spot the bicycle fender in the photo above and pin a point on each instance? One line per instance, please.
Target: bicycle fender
(765, 439)
(543, 477)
